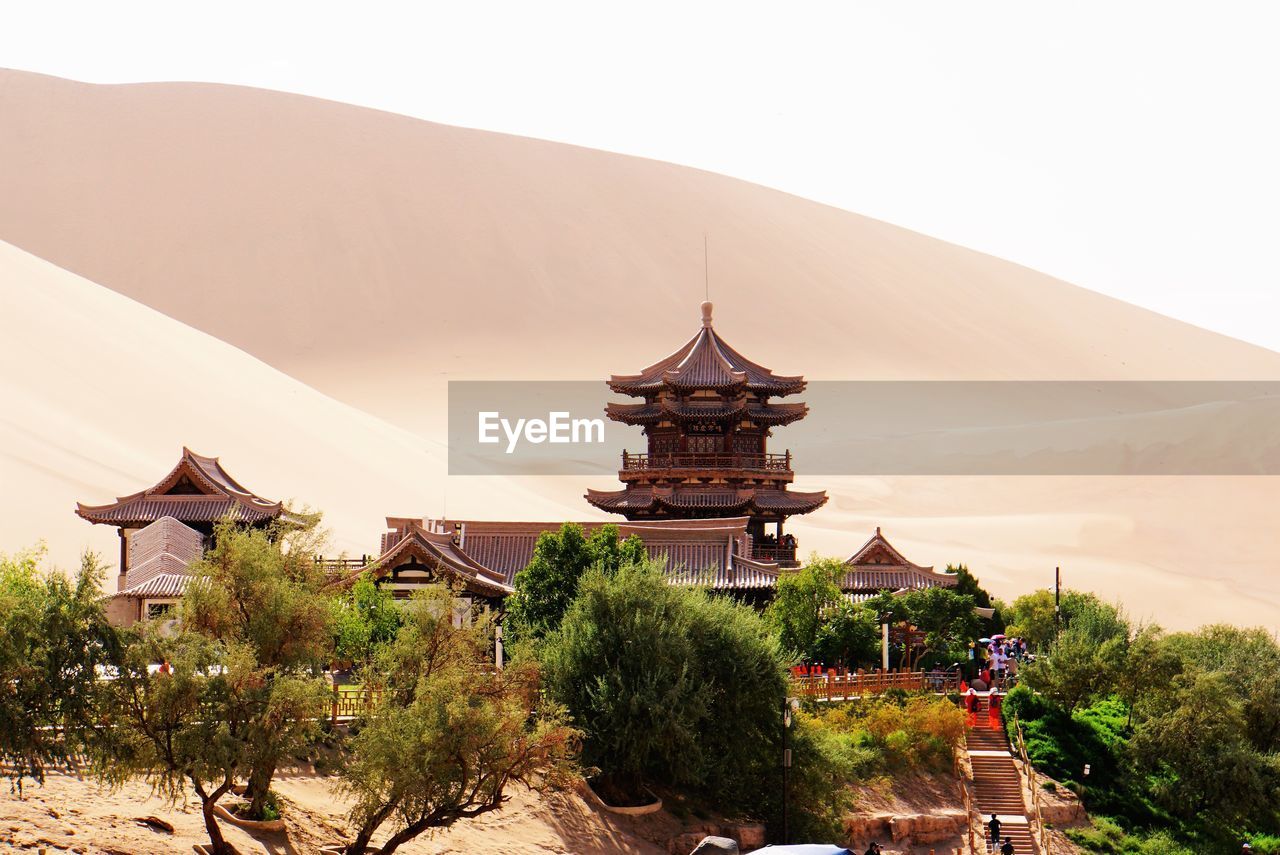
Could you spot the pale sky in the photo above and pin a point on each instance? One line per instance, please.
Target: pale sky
(1132, 148)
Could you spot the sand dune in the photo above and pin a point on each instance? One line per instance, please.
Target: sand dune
(373, 257)
(100, 393)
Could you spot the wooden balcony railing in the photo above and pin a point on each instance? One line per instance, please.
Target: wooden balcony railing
(706, 460)
(773, 552)
(341, 566)
(832, 686)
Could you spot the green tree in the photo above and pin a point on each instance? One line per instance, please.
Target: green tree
(544, 588)
(946, 617)
(448, 736)
(260, 591)
(967, 583)
(193, 725)
(670, 686)
(803, 603)
(849, 635)
(1194, 745)
(1077, 669)
(1031, 617)
(53, 638)
(365, 619)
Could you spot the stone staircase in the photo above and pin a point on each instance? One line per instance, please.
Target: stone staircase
(997, 785)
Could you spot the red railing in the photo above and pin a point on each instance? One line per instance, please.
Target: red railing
(706, 460)
(836, 686)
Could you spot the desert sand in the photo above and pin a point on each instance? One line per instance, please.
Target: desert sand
(373, 257)
(71, 814)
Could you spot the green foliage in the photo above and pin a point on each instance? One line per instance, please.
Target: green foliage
(545, 588)
(1109, 838)
(53, 636)
(803, 602)
(1032, 617)
(1087, 659)
(967, 583)
(365, 618)
(678, 688)
(448, 735)
(260, 591)
(201, 724)
(898, 733)
(850, 635)
(1194, 743)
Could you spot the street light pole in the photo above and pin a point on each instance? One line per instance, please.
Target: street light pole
(788, 705)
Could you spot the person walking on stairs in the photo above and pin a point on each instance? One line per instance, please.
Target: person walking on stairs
(1007, 848)
(994, 827)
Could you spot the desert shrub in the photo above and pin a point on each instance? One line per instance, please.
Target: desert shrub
(448, 736)
(673, 687)
(916, 730)
(53, 637)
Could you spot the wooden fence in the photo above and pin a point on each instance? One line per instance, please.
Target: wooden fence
(858, 684)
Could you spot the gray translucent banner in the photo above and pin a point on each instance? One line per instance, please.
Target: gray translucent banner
(904, 428)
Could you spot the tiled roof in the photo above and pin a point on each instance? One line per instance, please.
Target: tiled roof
(166, 546)
(877, 566)
(645, 497)
(197, 489)
(668, 409)
(706, 361)
(709, 552)
(439, 551)
(164, 585)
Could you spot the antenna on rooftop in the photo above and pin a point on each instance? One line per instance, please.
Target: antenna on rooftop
(706, 268)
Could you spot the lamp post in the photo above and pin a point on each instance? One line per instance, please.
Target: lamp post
(497, 645)
(789, 705)
(884, 641)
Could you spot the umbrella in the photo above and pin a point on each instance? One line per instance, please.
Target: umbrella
(998, 637)
(984, 641)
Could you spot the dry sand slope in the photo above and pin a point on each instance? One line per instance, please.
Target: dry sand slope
(374, 256)
(99, 393)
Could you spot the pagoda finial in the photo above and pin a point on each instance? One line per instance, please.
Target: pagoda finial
(706, 313)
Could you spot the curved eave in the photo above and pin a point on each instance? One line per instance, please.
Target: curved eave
(785, 501)
(635, 414)
(619, 501)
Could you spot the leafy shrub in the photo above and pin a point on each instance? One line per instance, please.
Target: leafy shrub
(915, 730)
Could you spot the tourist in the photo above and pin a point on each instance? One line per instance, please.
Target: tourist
(1013, 671)
(994, 828)
(873, 849)
(1007, 848)
(993, 709)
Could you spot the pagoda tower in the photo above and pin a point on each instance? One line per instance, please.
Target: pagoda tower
(708, 415)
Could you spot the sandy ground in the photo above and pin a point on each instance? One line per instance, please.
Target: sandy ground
(360, 260)
(68, 814)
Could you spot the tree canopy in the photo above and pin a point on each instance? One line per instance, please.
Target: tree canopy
(546, 586)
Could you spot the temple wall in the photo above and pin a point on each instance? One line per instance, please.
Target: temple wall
(122, 611)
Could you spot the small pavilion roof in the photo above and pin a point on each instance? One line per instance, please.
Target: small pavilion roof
(706, 361)
(197, 489)
(878, 566)
(166, 585)
(439, 551)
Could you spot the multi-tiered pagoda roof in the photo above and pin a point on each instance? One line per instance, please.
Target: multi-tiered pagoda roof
(707, 413)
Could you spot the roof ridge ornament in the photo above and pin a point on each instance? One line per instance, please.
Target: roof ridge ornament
(706, 314)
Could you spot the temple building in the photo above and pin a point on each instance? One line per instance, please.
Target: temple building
(707, 498)
(877, 567)
(166, 526)
(707, 413)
